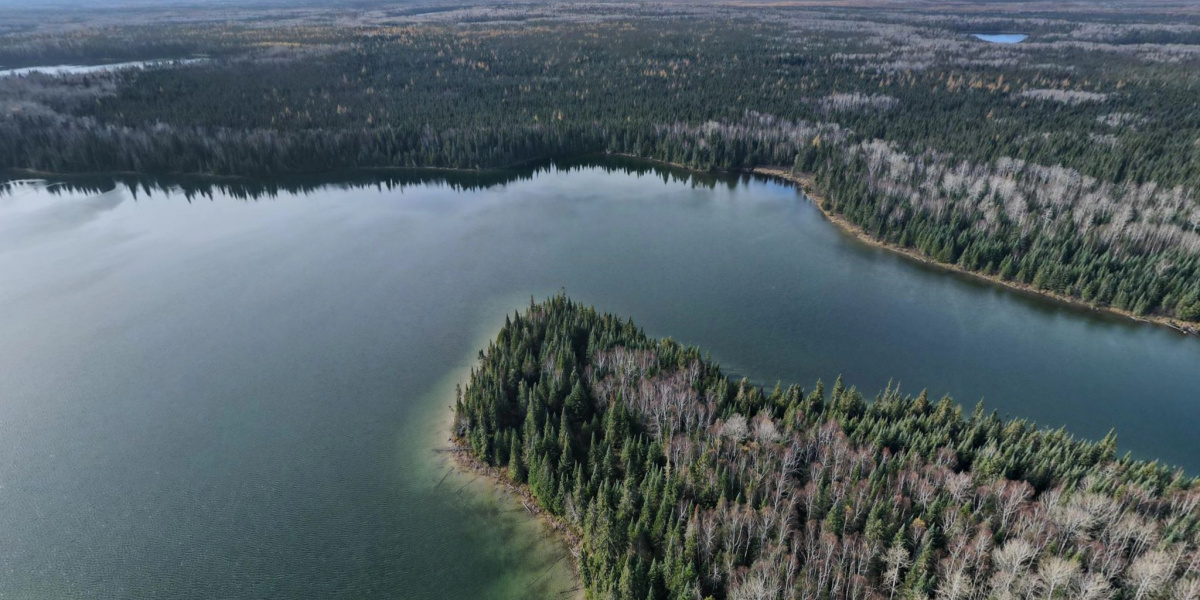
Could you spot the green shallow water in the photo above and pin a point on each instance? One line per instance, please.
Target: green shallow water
(214, 392)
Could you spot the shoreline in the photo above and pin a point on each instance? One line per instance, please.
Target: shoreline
(805, 184)
(464, 462)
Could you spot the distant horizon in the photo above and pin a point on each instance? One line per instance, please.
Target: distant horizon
(59, 4)
(1178, 7)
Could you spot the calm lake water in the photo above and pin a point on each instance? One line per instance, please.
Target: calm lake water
(1001, 38)
(211, 395)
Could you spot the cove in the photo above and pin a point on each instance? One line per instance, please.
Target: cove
(236, 389)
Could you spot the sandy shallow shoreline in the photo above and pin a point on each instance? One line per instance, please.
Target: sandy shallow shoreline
(558, 531)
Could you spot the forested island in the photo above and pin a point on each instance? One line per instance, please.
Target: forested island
(1067, 163)
(680, 482)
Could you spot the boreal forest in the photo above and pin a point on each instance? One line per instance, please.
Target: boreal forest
(211, 396)
(1052, 148)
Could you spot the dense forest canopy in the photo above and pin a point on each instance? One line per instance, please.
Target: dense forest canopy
(1069, 162)
(684, 483)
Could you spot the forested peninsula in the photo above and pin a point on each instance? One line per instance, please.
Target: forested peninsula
(680, 482)
(1068, 163)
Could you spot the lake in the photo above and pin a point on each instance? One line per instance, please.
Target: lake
(1001, 38)
(238, 390)
(55, 70)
